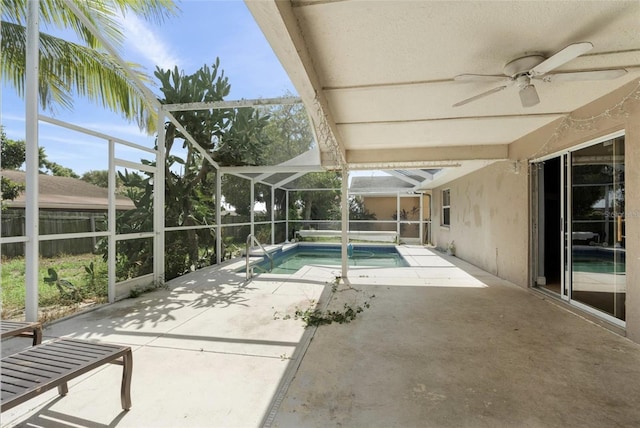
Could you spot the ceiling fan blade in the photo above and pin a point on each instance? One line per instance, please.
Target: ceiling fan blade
(480, 78)
(560, 58)
(529, 96)
(484, 94)
(610, 74)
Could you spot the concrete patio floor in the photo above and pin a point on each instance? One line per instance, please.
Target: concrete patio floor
(443, 344)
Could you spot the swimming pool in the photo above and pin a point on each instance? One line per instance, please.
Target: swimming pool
(290, 261)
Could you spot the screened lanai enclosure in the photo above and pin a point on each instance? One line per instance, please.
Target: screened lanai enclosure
(153, 224)
(228, 173)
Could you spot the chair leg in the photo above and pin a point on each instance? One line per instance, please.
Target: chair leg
(125, 390)
(37, 336)
(63, 389)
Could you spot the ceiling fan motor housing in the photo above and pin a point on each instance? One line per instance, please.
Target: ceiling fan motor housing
(521, 66)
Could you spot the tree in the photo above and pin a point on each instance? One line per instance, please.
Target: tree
(357, 210)
(52, 168)
(228, 136)
(319, 204)
(13, 157)
(13, 152)
(97, 178)
(289, 133)
(84, 68)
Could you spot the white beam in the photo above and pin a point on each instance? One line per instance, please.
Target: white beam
(253, 207)
(344, 200)
(158, 203)
(134, 165)
(111, 225)
(425, 157)
(193, 142)
(95, 134)
(270, 169)
(286, 216)
(273, 215)
(421, 226)
(32, 246)
(233, 104)
(218, 217)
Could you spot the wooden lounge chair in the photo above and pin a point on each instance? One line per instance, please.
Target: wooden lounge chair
(35, 370)
(24, 329)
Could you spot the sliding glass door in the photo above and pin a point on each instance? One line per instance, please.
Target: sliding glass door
(580, 237)
(597, 227)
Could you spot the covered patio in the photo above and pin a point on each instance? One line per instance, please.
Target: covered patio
(469, 341)
(443, 343)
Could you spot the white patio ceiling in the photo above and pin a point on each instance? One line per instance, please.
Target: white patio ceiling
(377, 77)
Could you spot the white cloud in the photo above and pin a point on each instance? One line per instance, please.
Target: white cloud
(146, 42)
(13, 117)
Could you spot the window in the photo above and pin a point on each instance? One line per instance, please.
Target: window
(446, 207)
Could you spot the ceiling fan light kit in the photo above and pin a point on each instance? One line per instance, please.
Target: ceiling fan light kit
(523, 70)
(529, 96)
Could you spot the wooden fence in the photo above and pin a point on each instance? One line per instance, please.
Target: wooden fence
(54, 222)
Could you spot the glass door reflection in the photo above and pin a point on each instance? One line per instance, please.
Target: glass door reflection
(596, 198)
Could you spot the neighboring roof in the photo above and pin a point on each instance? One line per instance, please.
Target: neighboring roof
(66, 193)
(376, 184)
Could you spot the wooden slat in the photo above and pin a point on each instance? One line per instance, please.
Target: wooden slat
(91, 346)
(15, 331)
(50, 365)
(60, 353)
(90, 352)
(23, 375)
(8, 379)
(12, 388)
(7, 395)
(25, 329)
(53, 356)
(34, 361)
(29, 369)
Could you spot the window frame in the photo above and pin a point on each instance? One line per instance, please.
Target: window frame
(445, 221)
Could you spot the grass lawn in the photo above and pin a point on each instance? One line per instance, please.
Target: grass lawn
(85, 289)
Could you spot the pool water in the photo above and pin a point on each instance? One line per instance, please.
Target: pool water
(289, 262)
(599, 266)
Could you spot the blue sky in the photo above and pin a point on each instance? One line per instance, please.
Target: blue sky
(202, 31)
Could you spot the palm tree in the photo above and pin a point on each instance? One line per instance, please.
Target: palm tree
(87, 69)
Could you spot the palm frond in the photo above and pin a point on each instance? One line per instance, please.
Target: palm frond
(151, 10)
(104, 14)
(67, 69)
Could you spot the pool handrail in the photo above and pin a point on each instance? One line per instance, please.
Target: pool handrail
(252, 239)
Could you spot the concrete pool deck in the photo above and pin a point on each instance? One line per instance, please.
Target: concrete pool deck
(443, 344)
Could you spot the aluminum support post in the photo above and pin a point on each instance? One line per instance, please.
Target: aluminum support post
(273, 215)
(158, 203)
(111, 224)
(218, 216)
(344, 200)
(32, 208)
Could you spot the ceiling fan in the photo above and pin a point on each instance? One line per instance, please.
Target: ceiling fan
(522, 71)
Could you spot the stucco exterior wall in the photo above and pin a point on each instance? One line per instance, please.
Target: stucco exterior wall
(490, 207)
(632, 226)
(384, 207)
(489, 220)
